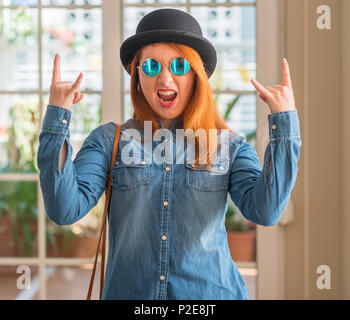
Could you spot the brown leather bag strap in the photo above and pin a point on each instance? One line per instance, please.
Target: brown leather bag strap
(104, 218)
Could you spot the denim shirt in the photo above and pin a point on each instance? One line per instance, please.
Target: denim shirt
(167, 236)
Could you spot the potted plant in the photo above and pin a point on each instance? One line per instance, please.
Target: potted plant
(240, 235)
(66, 243)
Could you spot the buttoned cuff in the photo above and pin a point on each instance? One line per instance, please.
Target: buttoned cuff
(56, 119)
(284, 124)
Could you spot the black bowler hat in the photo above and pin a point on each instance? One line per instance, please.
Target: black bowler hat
(169, 25)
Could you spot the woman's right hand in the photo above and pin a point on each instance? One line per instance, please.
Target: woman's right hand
(64, 93)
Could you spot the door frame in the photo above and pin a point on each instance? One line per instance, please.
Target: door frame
(270, 31)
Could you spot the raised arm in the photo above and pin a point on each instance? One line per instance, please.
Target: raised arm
(69, 193)
(70, 189)
(262, 192)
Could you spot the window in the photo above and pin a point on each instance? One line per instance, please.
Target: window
(31, 32)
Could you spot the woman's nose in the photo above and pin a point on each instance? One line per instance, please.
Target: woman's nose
(165, 74)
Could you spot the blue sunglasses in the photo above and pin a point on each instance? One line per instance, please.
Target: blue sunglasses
(151, 67)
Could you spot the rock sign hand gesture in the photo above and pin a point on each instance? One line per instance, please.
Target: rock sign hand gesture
(278, 97)
(64, 93)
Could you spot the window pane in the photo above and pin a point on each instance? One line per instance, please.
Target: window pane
(19, 121)
(19, 49)
(71, 283)
(8, 279)
(153, 1)
(133, 15)
(242, 117)
(71, 2)
(19, 2)
(18, 219)
(232, 32)
(76, 35)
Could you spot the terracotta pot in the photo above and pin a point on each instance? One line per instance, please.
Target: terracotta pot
(251, 225)
(242, 245)
(74, 247)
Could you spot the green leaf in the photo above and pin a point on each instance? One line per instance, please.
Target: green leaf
(230, 107)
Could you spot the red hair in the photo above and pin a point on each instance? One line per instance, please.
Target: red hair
(201, 111)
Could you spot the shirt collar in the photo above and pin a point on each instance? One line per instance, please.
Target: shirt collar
(177, 124)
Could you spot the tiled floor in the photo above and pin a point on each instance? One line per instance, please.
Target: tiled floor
(71, 283)
(8, 281)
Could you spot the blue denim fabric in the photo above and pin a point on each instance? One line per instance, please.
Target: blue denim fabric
(194, 256)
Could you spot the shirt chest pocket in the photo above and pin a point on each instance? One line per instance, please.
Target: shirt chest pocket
(203, 179)
(130, 176)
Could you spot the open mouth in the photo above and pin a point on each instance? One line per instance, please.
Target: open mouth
(168, 98)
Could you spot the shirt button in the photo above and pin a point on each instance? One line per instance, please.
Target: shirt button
(273, 127)
(64, 121)
(165, 203)
(167, 168)
(162, 277)
(163, 237)
(143, 162)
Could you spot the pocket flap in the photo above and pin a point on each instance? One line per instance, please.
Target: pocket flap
(220, 167)
(140, 164)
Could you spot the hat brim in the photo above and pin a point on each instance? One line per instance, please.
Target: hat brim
(204, 48)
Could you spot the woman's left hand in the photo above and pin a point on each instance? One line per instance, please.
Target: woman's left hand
(278, 97)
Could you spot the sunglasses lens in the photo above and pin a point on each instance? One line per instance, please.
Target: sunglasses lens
(180, 66)
(151, 67)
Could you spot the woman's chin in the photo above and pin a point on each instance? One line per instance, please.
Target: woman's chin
(168, 113)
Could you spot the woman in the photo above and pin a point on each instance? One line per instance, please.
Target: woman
(167, 237)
